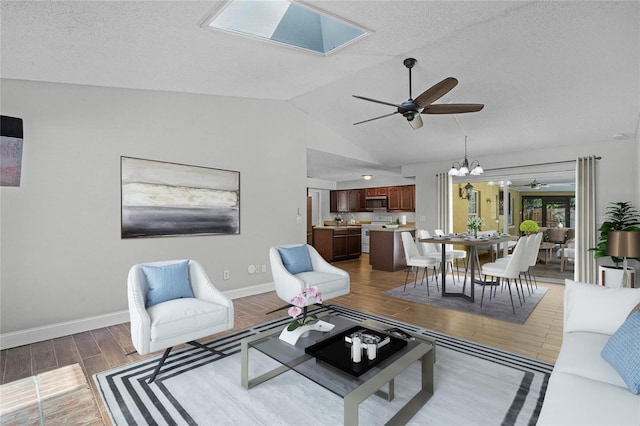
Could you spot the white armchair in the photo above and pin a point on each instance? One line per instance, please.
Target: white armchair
(330, 281)
(175, 321)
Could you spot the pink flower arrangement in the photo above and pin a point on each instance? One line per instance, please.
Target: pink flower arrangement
(299, 303)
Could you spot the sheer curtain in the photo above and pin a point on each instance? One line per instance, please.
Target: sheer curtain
(445, 218)
(585, 264)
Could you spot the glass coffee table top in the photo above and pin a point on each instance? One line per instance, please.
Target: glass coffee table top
(331, 378)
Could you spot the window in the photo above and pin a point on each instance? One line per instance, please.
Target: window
(550, 211)
(473, 203)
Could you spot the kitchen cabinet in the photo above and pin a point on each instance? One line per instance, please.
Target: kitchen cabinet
(347, 201)
(356, 200)
(401, 198)
(376, 192)
(339, 201)
(336, 243)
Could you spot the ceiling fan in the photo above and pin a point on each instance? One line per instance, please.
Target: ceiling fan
(423, 104)
(534, 184)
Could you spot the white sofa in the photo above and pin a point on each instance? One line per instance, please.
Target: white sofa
(584, 389)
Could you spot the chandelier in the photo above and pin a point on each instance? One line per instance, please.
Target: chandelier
(463, 169)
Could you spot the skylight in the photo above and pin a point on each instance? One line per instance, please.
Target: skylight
(286, 22)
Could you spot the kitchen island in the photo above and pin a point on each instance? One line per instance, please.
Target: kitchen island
(386, 251)
(339, 242)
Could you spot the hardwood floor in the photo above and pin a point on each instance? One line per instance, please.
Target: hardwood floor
(99, 350)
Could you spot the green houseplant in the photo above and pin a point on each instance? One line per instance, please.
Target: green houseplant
(529, 226)
(620, 216)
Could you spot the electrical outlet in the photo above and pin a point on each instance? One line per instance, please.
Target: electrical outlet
(225, 274)
(264, 268)
(423, 218)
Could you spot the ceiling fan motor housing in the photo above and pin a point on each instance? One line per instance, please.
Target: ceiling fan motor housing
(409, 109)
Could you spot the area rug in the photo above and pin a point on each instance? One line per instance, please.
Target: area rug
(499, 307)
(474, 385)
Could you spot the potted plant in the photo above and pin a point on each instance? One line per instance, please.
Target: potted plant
(529, 227)
(620, 216)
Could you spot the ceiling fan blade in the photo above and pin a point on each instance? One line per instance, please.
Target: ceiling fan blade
(376, 101)
(416, 123)
(452, 108)
(371, 119)
(435, 92)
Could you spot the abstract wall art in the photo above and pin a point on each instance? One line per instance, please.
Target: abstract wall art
(10, 151)
(161, 199)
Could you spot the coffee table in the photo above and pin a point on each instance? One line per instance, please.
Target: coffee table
(352, 389)
(546, 248)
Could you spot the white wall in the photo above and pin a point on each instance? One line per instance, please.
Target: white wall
(62, 256)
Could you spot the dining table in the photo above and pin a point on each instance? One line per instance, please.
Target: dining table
(473, 243)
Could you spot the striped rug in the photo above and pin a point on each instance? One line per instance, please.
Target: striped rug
(474, 385)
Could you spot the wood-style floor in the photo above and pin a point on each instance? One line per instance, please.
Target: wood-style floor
(102, 349)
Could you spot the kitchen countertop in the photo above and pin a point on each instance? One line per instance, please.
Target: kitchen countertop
(338, 227)
(399, 229)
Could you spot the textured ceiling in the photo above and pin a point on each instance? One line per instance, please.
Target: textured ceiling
(549, 73)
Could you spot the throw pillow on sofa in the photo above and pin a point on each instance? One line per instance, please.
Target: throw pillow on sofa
(597, 309)
(622, 351)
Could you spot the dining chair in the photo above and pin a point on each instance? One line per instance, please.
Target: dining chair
(415, 260)
(457, 254)
(433, 250)
(509, 270)
(567, 253)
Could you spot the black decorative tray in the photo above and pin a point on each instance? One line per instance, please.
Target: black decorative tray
(336, 351)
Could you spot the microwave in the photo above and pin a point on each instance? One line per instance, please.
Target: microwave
(375, 203)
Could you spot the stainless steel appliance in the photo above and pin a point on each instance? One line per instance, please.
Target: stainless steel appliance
(376, 222)
(376, 203)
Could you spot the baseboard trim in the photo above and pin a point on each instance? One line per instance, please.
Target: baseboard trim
(53, 331)
(47, 332)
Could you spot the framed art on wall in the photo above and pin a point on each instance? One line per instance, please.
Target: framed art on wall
(162, 199)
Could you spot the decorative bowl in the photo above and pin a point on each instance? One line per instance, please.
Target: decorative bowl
(391, 226)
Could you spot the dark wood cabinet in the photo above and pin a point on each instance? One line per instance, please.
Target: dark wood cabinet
(356, 200)
(386, 252)
(400, 198)
(376, 192)
(337, 243)
(339, 201)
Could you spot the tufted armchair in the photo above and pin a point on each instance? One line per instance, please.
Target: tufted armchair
(331, 281)
(181, 319)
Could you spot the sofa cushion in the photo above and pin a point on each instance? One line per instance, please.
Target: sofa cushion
(296, 259)
(580, 355)
(167, 282)
(622, 351)
(590, 307)
(576, 400)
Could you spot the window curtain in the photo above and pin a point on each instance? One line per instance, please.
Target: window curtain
(585, 264)
(445, 214)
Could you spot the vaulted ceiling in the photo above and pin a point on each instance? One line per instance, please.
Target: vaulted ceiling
(549, 73)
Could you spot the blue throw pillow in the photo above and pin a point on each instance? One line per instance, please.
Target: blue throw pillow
(296, 259)
(622, 351)
(167, 282)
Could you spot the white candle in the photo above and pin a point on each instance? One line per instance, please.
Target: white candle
(371, 351)
(356, 350)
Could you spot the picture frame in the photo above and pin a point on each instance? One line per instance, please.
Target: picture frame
(162, 199)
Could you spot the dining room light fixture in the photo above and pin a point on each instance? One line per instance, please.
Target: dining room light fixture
(466, 192)
(367, 177)
(464, 168)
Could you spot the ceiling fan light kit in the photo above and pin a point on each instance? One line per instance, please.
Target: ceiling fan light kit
(423, 104)
(462, 169)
